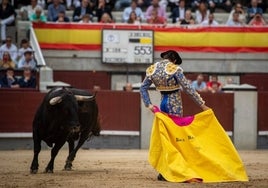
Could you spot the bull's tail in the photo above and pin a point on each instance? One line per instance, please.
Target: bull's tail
(97, 128)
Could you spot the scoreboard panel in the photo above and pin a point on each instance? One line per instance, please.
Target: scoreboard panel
(127, 46)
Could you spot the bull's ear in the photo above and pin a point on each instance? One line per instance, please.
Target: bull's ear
(84, 98)
(55, 100)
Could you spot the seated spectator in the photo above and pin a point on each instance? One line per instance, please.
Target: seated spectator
(201, 14)
(61, 17)
(235, 21)
(211, 84)
(82, 10)
(161, 12)
(24, 45)
(133, 7)
(10, 47)
(133, 19)
(54, 9)
(229, 80)
(103, 8)
(27, 80)
(27, 11)
(238, 8)
(199, 84)
(253, 10)
(214, 88)
(7, 17)
(155, 18)
(188, 20)
(9, 80)
(27, 61)
(222, 4)
(178, 13)
(128, 87)
(85, 19)
(257, 20)
(105, 18)
(6, 61)
(210, 21)
(38, 16)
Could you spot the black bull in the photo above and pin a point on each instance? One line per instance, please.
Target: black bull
(64, 115)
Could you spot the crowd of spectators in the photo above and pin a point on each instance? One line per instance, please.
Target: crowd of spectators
(213, 85)
(182, 12)
(10, 80)
(14, 59)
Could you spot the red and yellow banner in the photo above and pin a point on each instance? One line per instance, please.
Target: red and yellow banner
(199, 39)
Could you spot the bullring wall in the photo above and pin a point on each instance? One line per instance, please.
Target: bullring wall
(120, 114)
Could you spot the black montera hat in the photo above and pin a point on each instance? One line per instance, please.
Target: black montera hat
(172, 56)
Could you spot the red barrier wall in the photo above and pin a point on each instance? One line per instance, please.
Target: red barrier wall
(17, 109)
(118, 110)
(84, 79)
(221, 103)
(262, 111)
(260, 80)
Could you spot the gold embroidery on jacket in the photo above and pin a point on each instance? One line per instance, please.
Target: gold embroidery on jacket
(150, 70)
(171, 68)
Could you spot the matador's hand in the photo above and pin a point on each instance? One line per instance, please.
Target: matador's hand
(204, 107)
(151, 107)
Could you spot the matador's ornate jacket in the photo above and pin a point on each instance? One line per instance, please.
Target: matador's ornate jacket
(169, 79)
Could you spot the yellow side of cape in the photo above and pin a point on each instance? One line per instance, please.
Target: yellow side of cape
(200, 150)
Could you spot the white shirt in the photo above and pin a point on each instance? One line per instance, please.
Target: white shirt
(232, 23)
(198, 17)
(22, 63)
(242, 17)
(29, 9)
(181, 13)
(206, 23)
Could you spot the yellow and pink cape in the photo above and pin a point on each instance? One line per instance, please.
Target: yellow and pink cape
(193, 147)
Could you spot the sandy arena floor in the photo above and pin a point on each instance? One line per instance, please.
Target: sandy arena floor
(110, 168)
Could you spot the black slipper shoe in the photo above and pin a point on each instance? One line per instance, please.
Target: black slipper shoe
(161, 178)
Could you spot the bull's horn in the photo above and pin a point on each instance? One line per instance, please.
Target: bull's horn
(55, 100)
(83, 98)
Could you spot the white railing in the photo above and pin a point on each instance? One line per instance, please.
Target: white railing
(37, 50)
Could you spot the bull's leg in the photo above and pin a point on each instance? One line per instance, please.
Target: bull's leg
(54, 152)
(37, 149)
(68, 164)
(70, 158)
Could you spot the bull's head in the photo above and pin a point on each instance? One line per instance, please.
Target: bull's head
(66, 104)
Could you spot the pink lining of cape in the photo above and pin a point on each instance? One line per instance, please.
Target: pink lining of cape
(180, 121)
